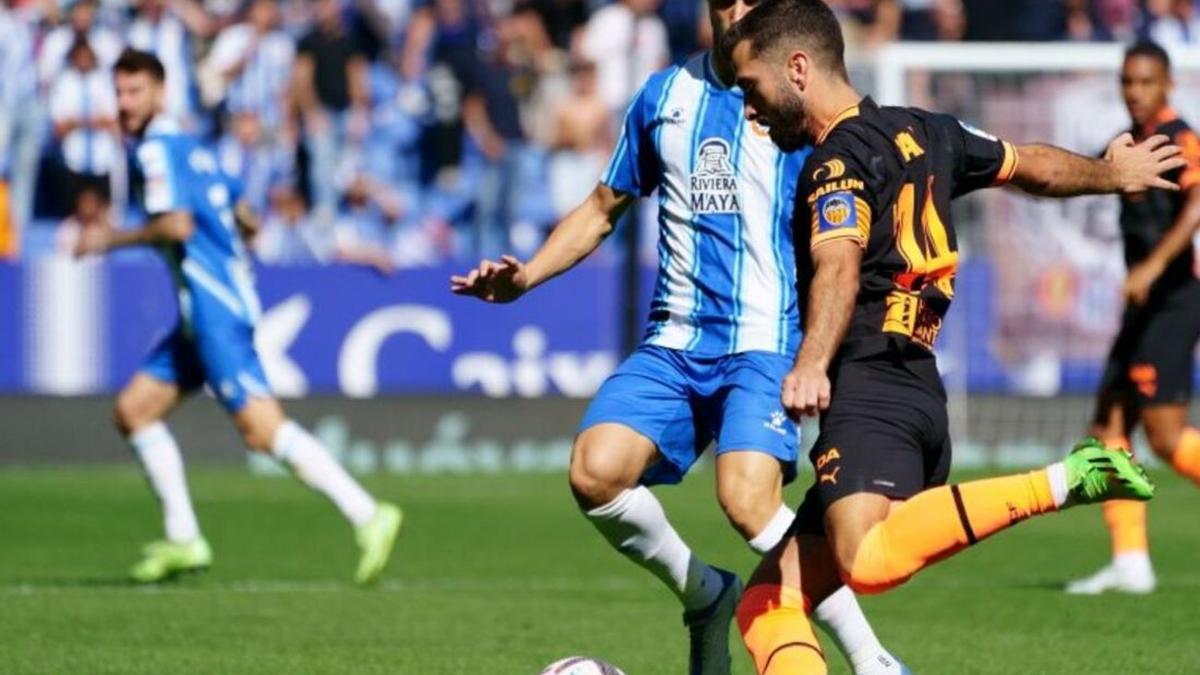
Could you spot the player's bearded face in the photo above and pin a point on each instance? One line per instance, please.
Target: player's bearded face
(788, 118)
(137, 99)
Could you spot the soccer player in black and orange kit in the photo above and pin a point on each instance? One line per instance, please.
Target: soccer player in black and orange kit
(1149, 374)
(877, 256)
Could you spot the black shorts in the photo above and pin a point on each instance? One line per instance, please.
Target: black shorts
(886, 432)
(1152, 359)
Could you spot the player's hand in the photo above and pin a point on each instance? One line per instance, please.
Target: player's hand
(1140, 166)
(248, 223)
(806, 391)
(1141, 277)
(92, 241)
(491, 281)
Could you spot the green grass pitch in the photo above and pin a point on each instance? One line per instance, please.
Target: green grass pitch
(500, 575)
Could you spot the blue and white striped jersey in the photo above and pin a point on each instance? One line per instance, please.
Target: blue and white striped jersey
(211, 270)
(726, 267)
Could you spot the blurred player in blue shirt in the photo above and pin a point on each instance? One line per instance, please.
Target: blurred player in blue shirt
(193, 221)
(722, 330)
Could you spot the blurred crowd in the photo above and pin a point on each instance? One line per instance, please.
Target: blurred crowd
(400, 133)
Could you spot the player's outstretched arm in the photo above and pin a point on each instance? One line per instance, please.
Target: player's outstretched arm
(164, 228)
(572, 240)
(1127, 168)
(831, 297)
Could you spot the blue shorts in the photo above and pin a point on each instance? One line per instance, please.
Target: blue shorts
(221, 355)
(682, 402)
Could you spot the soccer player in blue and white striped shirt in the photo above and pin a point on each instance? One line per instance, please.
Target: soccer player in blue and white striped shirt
(192, 221)
(723, 328)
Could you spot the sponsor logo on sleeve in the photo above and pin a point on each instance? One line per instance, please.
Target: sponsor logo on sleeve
(836, 211)
(830, 170)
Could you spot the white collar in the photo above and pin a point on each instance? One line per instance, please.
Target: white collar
(162, 125)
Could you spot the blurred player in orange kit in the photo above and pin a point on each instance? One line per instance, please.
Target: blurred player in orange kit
(1149, 374)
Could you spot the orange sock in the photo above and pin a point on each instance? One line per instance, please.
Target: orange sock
(942, 521)
(774, 624)
(1126, 519)
(1186, 459)
(1127, 523)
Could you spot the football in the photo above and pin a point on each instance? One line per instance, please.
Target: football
(581, 665)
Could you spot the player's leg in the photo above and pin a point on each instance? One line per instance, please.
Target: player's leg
(756, 447)
(1172, 438)
(750, 492)
(1148, 379)
(864, 415)
(140, 410)
(139, 414)
(884, 438)
(798, 579)
(265, 428)
(236, 376)
(639, 431)
(889, 440)
(875, 552)
(1166, 356)
(607, 462)
(1130, 570)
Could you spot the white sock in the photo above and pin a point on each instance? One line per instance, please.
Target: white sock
(1136, 563)
(160, 458)
(635, 524)
(843, 619)
(316, 468)
(1057, 474)
(770, 535)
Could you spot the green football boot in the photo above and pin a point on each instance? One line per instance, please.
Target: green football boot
(1096, 473)
(376, 538)
(162, 560)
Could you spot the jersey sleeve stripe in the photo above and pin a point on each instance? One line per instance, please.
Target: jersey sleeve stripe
(615, 163)
(1190, 178)
(218, 290)
(847, 235)
(1190, 142)
(1009, 166)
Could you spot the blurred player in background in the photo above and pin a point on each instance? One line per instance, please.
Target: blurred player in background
(877, 263)
(722, 330)
(191, 220)
(1149, 374)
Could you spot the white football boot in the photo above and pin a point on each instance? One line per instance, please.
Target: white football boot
(1127, 573)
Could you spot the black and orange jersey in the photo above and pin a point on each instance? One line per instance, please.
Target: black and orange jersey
(1146, 217)
(884, 178)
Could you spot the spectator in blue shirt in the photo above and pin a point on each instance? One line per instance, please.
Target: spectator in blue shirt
(83, 108)
(250, 64)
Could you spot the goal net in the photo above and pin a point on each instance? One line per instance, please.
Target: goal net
(1038, 296)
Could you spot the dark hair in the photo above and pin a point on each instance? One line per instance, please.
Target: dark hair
(80, 42)
(135, 61)
(1149, 49)
(807, 24)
